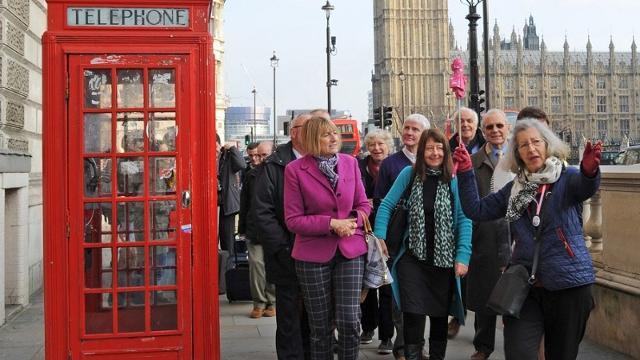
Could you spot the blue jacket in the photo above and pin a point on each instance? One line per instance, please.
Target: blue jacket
(461, 225)
(564, 260)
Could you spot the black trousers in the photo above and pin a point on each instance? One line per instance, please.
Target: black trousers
(376, 314)
(226, 230)
(484, 339)
(414, 328)
(292, 332)
(560, 315)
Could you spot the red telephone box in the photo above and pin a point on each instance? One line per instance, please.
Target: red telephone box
(130, 185)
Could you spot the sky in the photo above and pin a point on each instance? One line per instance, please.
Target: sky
(295, 29)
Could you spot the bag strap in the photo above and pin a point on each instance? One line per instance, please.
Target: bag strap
(407, 191)
(365, 222)
(536, 237)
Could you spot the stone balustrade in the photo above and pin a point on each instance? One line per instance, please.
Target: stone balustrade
(611, 227)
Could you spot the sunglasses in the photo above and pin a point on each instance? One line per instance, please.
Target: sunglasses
(491, 126)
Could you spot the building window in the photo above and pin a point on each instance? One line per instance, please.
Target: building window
(602, 129)
(579, 129)
(624, 104)
(578, 83)
(623, 83)
(532, 84)
(601, 82)
(578, 104)
(601, 104)
(508, 83)
(554, 83)
(555, 104)
(624, 127)
(509, 102)
(532, 101)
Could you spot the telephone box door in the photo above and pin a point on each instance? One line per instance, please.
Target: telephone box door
(130, 229)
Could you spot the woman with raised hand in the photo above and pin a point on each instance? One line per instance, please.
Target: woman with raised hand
(547, 195)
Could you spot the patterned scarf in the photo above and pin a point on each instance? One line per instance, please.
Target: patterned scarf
(328, 166)
(525, 186)
(444, 246)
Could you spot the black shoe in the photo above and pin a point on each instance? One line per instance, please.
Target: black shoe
(413, 351)
(453, 328)
(366, 337)
(385, 347)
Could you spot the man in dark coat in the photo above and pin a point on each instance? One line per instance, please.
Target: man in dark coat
(491, 251)
(230, 164)
(292, 333)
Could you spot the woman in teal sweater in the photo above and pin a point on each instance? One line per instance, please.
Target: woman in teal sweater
(435, 248)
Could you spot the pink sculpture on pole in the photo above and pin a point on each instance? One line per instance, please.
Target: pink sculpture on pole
(458, 81)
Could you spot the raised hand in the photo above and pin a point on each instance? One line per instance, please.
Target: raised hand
(591, 158)
(462, 159)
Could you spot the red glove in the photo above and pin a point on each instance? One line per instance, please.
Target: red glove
(591, 158)
(461, 159)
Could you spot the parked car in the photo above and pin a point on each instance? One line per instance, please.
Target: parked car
(630, 156)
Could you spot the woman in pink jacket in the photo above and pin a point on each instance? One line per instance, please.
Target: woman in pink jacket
(323, 193)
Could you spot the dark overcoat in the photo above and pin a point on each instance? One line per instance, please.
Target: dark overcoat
(490, 241)
(230, 163)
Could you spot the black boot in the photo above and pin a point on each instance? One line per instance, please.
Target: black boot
(437, 349)
(413, 351)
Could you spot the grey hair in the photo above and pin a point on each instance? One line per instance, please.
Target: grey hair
(554, 145)
(421, 119)
(493, 112)
(379, 134)
(474, 114)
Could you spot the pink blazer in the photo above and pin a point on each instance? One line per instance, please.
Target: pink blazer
(310, 203)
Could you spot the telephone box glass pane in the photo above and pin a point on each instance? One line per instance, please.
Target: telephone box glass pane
(163, 220)
(130, 132)
(131, 311)
(162, 131)
(97, 133)
(130, 266)
(97, 268)
(162, 173)
(130, 221)
(130, 88)
(97, 88)
(163, 265)
(97, 177)
(164, 310)
(98, 312)
(97, 222)
(131, 176)
(162, 88)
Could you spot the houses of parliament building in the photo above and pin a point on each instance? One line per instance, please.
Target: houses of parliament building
(587, 94)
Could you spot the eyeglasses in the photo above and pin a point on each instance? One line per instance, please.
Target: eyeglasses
(491, 126)
(537, 143)
(297, 126)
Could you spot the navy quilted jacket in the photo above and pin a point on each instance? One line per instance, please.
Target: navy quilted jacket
(564, 260)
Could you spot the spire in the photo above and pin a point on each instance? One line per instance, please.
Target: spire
(452, 36)
(566, 44)
(496, 29)
(611, 47)
(543, 46)
(589, 47)
(633, 45)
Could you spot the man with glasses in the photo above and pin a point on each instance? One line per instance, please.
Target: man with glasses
(262, 293)
(490, 243)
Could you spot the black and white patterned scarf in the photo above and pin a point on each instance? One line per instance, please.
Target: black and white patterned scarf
(328, 166)
(525, 186)
(444, 246)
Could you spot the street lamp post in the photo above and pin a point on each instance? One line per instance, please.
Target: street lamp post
(402, 78)
(485, 49)
(474, 86)
(331, 49)
(274, 64)
(255, 128)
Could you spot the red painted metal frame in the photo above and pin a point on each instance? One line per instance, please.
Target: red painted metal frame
(196, 45)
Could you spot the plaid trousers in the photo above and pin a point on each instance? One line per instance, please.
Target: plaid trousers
(331, 292)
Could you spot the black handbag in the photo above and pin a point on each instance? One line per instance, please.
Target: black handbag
(398, 223)
(512, 289)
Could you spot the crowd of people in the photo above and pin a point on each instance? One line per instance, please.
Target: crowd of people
(477, 203)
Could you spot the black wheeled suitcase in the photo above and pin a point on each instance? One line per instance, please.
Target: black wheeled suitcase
(223, 260)
(237, 277)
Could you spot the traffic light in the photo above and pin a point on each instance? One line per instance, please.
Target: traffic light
(247, 139)
(480, 101)
(377, 116)
(387, 115)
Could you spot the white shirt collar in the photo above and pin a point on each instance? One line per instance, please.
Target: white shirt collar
(409, 155)
(296, 153)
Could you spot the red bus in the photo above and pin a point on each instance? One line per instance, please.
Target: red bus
(348, 129)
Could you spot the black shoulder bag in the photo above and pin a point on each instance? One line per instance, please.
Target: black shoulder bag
(514, 284)
(398, 222)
